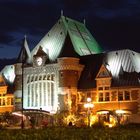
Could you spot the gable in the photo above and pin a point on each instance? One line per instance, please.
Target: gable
(103, 73)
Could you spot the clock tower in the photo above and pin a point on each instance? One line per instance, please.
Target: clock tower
(40, 58)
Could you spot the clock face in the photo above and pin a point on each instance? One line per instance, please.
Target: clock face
(39, 61)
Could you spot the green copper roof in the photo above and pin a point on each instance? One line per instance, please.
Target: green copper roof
(82, 40)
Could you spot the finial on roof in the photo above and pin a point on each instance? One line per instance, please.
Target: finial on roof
(61, 12)
(84, 21)
(25, 36)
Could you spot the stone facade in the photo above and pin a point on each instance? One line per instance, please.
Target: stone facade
(50, 87)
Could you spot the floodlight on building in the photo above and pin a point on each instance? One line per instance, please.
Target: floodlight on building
(102, 112)
(123, 112)
(88, 105)
(120, 111)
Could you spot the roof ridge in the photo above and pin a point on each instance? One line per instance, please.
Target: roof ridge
(68, 18)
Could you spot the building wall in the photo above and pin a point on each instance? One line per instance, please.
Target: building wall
(6, 100)
(112, 106)
(69, 74)
(40, 87)
(130, 105)
(68, 78)
(51, 87)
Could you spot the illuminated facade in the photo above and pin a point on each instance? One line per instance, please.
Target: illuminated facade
(67, 66)
(6, 99)
(112, 81)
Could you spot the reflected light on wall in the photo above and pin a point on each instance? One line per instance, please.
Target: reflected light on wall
(19, 114)
(112, 66)
(103, 112)
(9, 73)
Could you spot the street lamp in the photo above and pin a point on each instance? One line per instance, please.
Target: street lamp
(88, 105)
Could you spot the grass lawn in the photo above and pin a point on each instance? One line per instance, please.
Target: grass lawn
(72, 133)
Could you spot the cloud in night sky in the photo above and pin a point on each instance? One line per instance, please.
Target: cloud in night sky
(115, 24)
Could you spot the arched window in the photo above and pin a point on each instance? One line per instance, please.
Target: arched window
(40, 77)
(29, 96)
(3, 101)
(36, 94)
(32, 78)
(44, 77)
(45, 98)
(48, 77)
(32, 93)
(36, 78)
(28, 79)
(50, 89)
(40, 93)
(52, 77)
(8, 101)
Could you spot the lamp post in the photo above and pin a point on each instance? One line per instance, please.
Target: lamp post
(88, 105)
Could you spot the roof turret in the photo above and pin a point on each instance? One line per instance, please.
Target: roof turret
(25, 55)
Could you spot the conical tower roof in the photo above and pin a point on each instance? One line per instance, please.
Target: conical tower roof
(24, 55)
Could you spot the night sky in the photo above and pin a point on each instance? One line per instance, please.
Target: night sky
(115, 24)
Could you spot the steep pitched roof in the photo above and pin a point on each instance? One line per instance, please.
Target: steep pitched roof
(123, 65)
(68, 49)
(8, 73)
(24, 55)
(82, 41)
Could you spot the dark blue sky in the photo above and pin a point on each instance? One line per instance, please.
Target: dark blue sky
(115, 24)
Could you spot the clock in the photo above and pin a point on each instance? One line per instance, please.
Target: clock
(39, 61)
